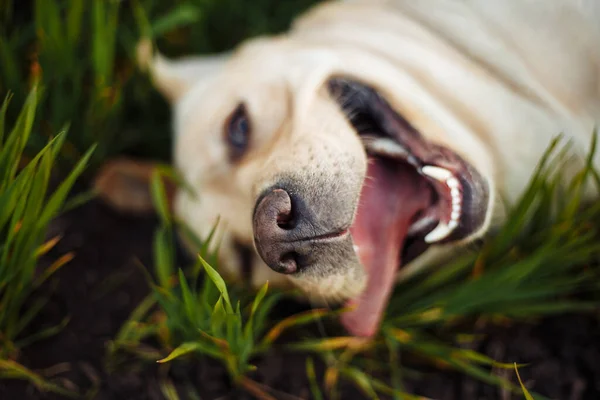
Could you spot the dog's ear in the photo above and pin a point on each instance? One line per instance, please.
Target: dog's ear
(124, 184)
(173, 78)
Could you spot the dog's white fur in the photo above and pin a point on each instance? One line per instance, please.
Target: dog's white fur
(495, 81)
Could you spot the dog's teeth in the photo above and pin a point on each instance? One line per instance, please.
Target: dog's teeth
(452, 183)
(455, 193)
(441, 231)
(356, 248)
(445, 176)
(387, 147)
(437, 173)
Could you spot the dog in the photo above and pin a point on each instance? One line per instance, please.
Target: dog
(372, 136)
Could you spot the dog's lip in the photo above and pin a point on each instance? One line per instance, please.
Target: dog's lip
(336, 235)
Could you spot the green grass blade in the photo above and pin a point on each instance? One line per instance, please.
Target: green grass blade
(3, 118)
(159, 196)
(127, 330)
(75, 13)
(361, 380)
(164, 256)
(526, 393)
(249, 330)
(11, 369)
(43, 334)
(219, 283)
(293, 321)
(189, 300)
(10, 154)
(315, 390)
(168, 390)
(58, 197)
(182, 15)
(181, 350)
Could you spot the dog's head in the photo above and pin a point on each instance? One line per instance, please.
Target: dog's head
(318, 171)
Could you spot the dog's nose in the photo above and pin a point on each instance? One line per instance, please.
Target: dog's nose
(274, 223)
(289, 234)
(301, 227)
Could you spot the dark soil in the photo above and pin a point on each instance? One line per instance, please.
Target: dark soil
(102, 285)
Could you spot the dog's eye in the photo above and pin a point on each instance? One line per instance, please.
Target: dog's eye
(237, 132)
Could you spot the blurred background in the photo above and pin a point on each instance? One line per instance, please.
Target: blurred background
(82, 53)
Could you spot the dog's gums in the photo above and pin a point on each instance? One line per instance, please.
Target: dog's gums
(414, 195)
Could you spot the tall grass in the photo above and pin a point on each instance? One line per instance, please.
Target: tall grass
(80, 77)
(28, 202)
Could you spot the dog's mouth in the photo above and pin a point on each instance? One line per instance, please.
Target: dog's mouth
(416, 194)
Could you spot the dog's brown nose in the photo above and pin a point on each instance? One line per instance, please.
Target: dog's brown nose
(300, 227)
(274, 222)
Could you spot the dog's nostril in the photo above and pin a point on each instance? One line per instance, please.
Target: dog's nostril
(289, 263)
(275, 223)
(276, 209)
(285, 220)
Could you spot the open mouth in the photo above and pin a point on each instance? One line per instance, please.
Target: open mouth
(416, 194)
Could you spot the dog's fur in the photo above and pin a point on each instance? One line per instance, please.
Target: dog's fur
(495, 81)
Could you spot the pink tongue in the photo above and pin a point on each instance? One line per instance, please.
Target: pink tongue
(392, 195)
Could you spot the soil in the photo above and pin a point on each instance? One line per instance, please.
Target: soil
(101, 286)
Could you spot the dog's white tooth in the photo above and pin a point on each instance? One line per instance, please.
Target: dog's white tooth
(388, 147)
(456, 207)
(455, 193)
(437, 173)
(438, 233)
(356, 248)
(455, 215)
(441, 231)
(452, 182)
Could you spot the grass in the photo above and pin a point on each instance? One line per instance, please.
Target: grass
(27, 205)
(543, 261)
(203, 317)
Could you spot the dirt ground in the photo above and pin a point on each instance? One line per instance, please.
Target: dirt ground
(101, 286)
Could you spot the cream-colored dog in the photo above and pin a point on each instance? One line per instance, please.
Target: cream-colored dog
(374, 134)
